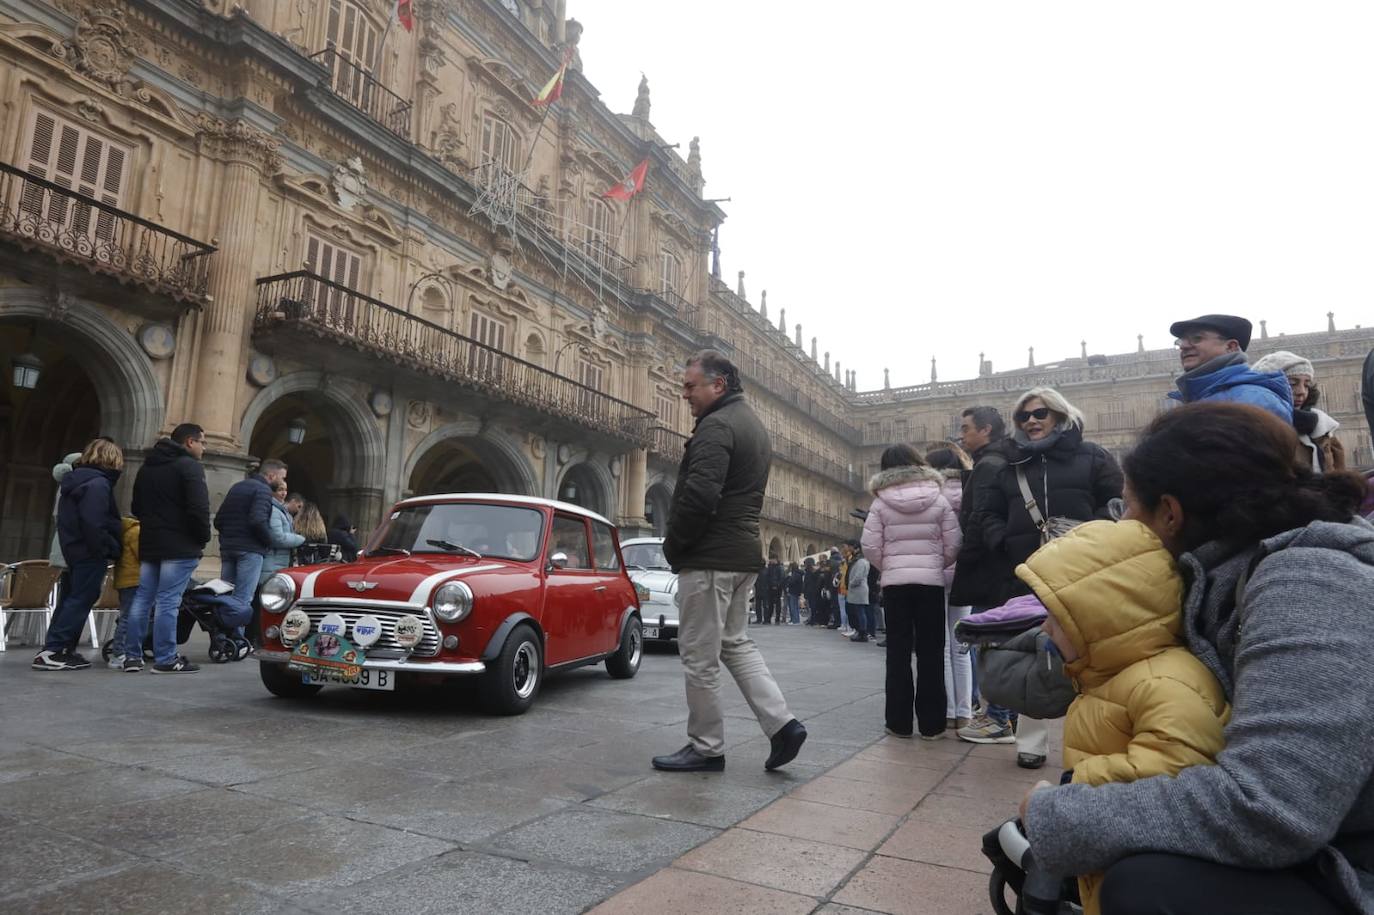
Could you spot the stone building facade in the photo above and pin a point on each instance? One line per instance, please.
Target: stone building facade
(363, 250)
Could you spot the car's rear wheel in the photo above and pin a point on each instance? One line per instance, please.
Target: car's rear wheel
(512, 680)
(624, 664)
(285, 683)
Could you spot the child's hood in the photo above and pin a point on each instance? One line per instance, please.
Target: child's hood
(1115, 591)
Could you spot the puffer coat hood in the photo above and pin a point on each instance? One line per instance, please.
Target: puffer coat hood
(1146, 705)
(911, 534)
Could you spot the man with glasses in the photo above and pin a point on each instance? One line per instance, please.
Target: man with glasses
(713, 545)
(1212, 351)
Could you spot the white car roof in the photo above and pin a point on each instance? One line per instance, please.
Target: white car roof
(503, 497)
(640, 541)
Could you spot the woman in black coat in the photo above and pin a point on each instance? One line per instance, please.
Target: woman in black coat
(91, 536)
(1069, 479)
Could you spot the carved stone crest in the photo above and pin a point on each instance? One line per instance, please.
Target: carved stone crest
(349, 184)
(450, 138)
(499, 270)
(103, 49)
(418, 414)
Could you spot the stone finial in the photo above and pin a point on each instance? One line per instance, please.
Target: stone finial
(763, 303)
(1140, 343)
(813, 350)
(739, 290)
(1083, 348)
(933, 375)
(827, 363)
(641, 109)
(715, 252)
(782, 320)
(837, 370)
(982, 364)
(1031, 363)
(887, 380)
(1264, 330)
(694, 156)
(799, 343)
(1330, 322)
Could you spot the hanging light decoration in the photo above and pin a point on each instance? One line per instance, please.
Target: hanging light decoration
(27, 369)
(295, 431)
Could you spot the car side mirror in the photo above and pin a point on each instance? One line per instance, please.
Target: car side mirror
(558, 561)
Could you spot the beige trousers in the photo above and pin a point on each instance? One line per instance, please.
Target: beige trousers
(713, 615)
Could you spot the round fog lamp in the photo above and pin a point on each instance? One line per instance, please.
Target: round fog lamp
(334, 625)
(366, 631)
(409, 631)
(271, 633)
(294, 626)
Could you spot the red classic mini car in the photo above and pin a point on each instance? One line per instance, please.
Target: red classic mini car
(499, 587)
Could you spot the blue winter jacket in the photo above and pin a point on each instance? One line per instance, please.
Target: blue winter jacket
(1240, 384)
(284, 540)
(244, 517)
(88, 525)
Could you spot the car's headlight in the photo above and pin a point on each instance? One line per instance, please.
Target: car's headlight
(278, 593)
(452, 602)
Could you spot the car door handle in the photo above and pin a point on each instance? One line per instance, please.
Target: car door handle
(599, 588)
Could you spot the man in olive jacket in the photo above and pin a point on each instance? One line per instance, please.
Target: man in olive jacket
(713, 544)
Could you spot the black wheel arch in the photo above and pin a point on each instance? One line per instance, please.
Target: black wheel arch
(503, 631)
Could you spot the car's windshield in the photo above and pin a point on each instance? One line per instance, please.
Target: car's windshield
(499, 531)
(644, 555)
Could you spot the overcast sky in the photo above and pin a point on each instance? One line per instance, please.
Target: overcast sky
(918, 179)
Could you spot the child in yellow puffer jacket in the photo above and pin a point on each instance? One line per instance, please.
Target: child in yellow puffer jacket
(126, 585)
(1146, 706)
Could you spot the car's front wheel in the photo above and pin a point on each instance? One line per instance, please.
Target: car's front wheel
(285, 683)
(624, 664)
(512, 680)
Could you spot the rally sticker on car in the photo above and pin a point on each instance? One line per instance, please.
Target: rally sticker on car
(325, 654)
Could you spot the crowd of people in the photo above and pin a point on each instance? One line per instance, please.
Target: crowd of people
(153, 551)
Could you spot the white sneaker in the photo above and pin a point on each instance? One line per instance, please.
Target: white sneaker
(116, 662)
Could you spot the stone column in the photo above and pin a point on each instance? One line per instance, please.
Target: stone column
(247, 153)
(635, 472)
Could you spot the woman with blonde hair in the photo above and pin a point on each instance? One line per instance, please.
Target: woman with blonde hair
(90, 532)
(310, 524)
(1053, 480)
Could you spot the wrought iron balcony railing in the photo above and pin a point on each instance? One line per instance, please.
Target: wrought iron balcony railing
(775, 509)
(756, 369)
(667, 443)
(357, 86)
(794, 452)
(308, 303)
(42, 215)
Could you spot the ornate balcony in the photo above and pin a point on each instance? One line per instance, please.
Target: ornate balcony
(38, 215)
(775, 509)
(357, 86)
(666, 443)
(794, 452)
(300, 309)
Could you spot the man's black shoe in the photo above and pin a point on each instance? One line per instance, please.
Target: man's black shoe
(689, 760)
(787, 743)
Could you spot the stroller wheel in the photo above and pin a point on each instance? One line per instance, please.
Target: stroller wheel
(997, 895)
(242, 649)
(107, 649)
(221, 649)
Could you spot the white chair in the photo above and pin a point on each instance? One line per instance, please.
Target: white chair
(30, 587)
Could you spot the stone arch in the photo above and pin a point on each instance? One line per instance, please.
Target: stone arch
(535, 349)
(593, 473)
(499, 454)
(775, 548)
(658, 499)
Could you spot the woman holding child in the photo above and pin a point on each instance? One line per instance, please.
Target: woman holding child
(1277, 604)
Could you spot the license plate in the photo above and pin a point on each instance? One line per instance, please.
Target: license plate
(651, 632)
(366, 679)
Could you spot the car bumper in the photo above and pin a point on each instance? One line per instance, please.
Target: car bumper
(442, 668)
(661, 619)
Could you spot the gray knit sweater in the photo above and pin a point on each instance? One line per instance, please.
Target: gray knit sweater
(1295, 783)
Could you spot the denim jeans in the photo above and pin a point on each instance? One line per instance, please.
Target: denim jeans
(794, 607)
(160, 584)
(126, 600)
(243, 570)
(859, 617)
(64, 632)
(844, 616)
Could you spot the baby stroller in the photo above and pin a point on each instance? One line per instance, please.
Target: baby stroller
(213, 606)
(1013, 865)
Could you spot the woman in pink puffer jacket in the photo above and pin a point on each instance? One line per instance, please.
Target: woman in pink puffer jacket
(912, 538)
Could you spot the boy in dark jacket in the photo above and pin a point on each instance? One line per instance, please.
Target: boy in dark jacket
(172, 504)
(89, 529)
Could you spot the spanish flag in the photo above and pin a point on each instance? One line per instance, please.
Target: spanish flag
(553, 88)
(633, 183)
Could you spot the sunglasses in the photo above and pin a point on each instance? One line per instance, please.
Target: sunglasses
(1039, 413)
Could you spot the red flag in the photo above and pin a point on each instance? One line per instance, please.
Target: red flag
(553, 89)
(633, 183)
(405, 15)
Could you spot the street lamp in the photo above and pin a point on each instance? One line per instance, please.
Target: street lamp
(582, 350)
(27, 368)
(438, 276)
(295, 431)
(570, 492)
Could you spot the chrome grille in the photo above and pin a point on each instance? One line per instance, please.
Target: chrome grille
(387, 616)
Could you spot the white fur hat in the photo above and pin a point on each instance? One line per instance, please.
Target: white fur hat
(1285, 362)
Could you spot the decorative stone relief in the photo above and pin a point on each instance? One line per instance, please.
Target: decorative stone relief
(349, 184)
(615, 467)
(157, 340)
(262, 369)
(538, 448)
(564, 454)
(450, 140)
(499, 270)
(103, 49)
(239, 141)
(381, 403)
(418, 415)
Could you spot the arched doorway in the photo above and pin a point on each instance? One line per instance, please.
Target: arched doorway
(78, 378)
(658, 502)
(458, 459)
(331, 448)
(811, 549)
(583, 485)
(775, 548)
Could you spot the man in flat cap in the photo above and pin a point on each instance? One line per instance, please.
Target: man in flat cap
(1212, 351)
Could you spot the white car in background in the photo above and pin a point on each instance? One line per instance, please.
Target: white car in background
(646, 565)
